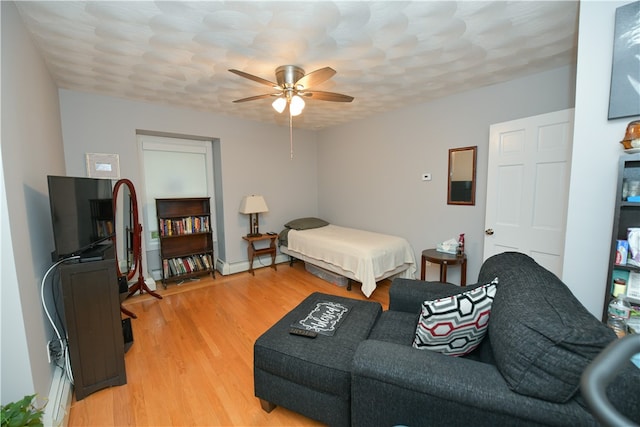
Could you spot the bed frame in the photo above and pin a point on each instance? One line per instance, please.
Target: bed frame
(359, 255)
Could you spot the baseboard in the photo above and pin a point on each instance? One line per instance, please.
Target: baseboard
(226, 268)
(56, 413)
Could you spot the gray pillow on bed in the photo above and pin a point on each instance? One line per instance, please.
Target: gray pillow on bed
(306, 223)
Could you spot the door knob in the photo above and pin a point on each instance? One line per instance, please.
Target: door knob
(489, 231)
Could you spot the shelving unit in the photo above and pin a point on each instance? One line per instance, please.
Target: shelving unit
(626, 215)
(186, 241)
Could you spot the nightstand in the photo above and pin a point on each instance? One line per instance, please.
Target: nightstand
(252, 251)
(444, 260)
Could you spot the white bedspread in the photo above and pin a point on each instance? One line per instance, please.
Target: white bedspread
(366, 254)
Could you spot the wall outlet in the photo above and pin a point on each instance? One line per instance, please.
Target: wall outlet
(426, 177)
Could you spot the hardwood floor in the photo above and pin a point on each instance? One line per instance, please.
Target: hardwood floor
(191, 362)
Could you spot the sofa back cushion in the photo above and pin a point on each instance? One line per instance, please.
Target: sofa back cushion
(542, 337)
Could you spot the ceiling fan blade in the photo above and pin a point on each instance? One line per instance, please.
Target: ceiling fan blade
(328, 96)
(253, 98)
(316, 77)
(255, 78)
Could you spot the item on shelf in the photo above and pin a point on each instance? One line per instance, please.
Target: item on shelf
(632, 189)
(618, 315)
(619, 287)
(632, 135)
(622, 252)
(633, 237)
(633, 324)
(633, 287)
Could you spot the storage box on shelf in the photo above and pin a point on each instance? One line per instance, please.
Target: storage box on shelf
(186, 242)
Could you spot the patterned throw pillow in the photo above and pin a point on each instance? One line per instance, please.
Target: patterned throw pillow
(455, 325)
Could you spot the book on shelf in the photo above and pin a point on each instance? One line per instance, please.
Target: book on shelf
(184, 265)
(186, 225)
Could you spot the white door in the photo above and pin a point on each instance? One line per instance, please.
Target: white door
(528, 187)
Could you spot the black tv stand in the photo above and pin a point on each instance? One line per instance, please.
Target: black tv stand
(93, 323)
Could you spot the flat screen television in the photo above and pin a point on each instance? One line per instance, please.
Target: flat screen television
(81, 214)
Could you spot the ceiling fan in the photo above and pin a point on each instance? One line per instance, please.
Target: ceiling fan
(292, 85)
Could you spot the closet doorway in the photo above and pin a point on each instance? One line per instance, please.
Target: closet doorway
(175, 166)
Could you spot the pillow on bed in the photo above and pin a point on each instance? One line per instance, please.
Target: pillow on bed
(306, 223)
(457, 324)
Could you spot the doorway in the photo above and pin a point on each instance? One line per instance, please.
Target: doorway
(177, 166)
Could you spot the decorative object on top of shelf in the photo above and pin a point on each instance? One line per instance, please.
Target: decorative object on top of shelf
(253, 206)
(625, 82)
(632, 135)
(103, 165)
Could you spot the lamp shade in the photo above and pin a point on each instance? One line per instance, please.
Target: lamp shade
(296, 105)
(253, 204)
(279, 104)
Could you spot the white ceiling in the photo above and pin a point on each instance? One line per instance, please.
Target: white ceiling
(387, 54)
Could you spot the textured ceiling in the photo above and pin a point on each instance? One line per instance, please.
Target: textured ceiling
(387, 54)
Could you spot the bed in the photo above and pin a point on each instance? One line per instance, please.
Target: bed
(360, 255)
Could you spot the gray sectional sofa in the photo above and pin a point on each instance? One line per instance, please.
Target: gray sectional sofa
(526, 371)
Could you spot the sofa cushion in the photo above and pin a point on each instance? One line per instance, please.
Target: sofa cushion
(455, 325)
(542, 337)
(395, 327)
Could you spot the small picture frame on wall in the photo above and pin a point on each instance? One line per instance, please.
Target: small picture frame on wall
(103, 165)
(624, 96)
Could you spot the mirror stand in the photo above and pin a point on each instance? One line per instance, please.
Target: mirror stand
(136, 233)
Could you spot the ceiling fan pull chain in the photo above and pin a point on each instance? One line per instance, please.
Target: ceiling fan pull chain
(291, 133)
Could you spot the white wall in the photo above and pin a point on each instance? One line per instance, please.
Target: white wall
(369, 172)
(31, 149)
(596, 150)
(254, 156)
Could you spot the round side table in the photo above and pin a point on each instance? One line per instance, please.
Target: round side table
(444, 260)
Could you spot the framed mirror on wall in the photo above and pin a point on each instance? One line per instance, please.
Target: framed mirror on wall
(461, 186)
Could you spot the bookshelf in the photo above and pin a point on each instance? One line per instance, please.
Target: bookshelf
(186, 241)
(626, 215)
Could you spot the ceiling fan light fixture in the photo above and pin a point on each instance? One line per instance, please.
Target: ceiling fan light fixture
(279, 104)
(296, 105)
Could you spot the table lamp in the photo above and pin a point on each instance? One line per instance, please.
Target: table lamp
(253, 206)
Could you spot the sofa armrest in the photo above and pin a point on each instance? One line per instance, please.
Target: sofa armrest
(408, 294)
(393, 384)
